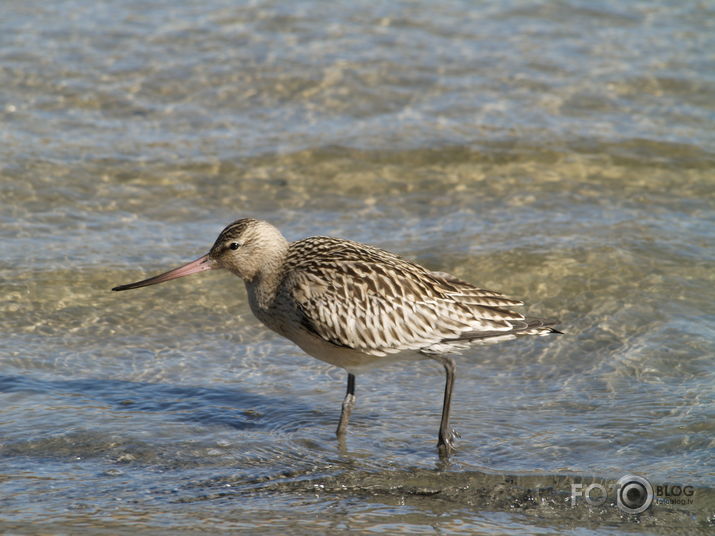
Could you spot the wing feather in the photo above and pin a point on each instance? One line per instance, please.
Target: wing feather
(373, 301)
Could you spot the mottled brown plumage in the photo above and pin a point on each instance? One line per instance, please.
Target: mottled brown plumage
(356, 306)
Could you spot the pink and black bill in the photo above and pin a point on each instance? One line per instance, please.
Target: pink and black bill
(199, 265)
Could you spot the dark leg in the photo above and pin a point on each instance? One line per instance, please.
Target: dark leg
(446, 435)
(348, 404)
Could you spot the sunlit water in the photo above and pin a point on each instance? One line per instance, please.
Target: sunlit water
(561, 152)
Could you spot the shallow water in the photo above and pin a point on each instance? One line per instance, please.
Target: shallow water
(559, 152)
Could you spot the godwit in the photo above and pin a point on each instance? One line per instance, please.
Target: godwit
(358, 307)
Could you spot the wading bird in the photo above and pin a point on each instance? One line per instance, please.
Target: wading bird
(359, 307)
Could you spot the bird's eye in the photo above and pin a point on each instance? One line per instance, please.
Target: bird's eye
(234, 245)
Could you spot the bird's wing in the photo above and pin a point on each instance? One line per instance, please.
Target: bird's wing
(381, 304)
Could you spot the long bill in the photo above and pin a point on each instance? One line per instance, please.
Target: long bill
(199, 265)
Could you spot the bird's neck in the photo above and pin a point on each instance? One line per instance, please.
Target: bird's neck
(263, 286)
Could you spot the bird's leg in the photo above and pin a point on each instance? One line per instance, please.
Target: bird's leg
(348, 404)
(446, 435)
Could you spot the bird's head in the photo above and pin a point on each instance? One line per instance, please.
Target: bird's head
(247, 248)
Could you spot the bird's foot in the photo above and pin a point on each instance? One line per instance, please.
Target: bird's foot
(445, 444)
(347, 409)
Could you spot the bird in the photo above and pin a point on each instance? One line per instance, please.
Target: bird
(359, 307)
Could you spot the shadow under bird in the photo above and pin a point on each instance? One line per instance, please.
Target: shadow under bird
(359, 307)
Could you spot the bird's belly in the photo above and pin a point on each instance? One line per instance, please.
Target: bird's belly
(286, 321)
(351, 360)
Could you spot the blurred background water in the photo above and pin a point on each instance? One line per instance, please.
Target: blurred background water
(560, 152)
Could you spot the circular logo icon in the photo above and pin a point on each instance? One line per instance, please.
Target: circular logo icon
(634, 494)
